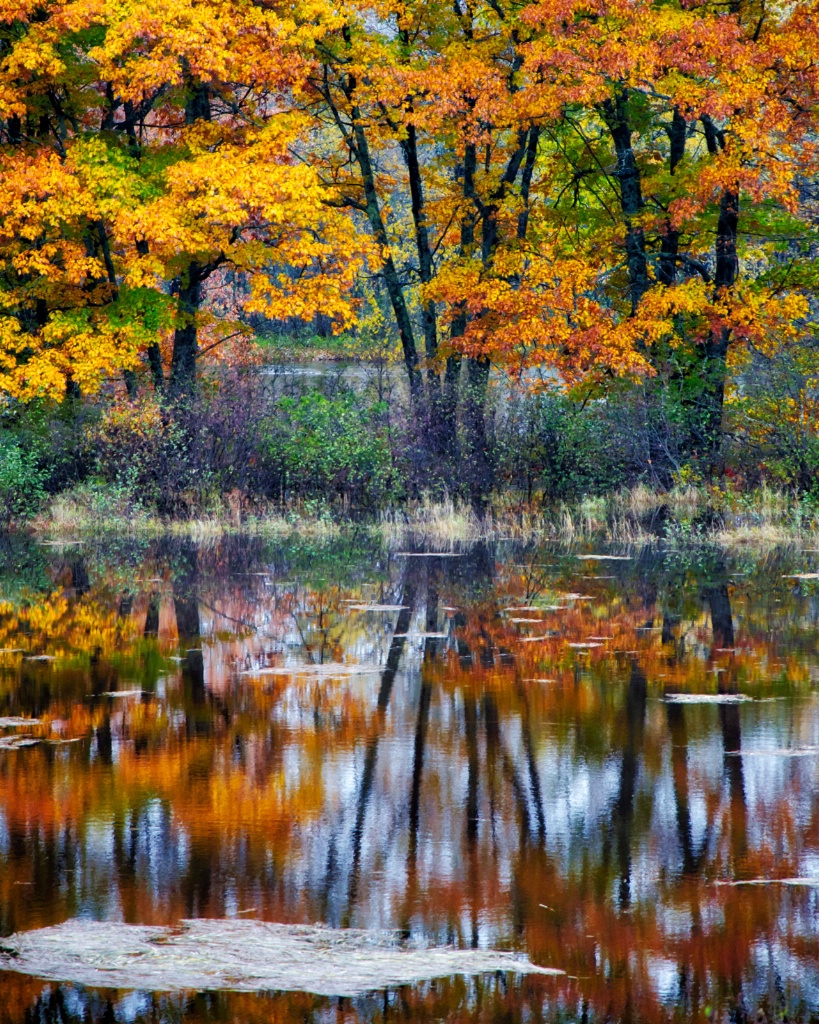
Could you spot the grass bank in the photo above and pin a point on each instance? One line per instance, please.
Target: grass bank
(763, 517)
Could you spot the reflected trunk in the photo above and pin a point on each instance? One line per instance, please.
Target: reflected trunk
(408, 598)
(623, 811)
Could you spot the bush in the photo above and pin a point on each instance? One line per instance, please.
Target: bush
(55, 435)
(548, 444)
(773, 422)
(331, 446)
(140, 448)
(22, 481)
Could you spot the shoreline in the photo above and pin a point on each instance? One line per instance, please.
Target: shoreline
(682, 517)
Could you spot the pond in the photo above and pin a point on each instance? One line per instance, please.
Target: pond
(598, 762)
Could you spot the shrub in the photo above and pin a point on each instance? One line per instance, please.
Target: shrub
(548, 444)
(332, 446)
(141, 448)
(773, 422)
(22, 481)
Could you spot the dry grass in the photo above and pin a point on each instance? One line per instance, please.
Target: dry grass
(448, 522)
(687, 514)
(442, 523)
(86, 511)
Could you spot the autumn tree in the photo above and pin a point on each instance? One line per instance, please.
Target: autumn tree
(138, 161)
(684, 140)
(433, 154)
(557, 187)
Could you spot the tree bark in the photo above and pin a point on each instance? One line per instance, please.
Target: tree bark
(615, 115)
(481, 469)
(154, 352)
(185, 343)
(526, 180)
(132, 117)
(356, 138)
(409, 148)
(670, 243)
(726, 271)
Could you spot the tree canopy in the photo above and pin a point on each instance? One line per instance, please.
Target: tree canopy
(594, 190)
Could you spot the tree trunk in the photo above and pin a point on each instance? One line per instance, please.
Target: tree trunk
(409, 148)
(155, 363)
(440, 422)
(356, 139)
(526, 180)
(615, 115)
(478, 457)
(390, 272)
(670, 243)
(185, 344)
(154, 352)
(458, 326)
(726, 271)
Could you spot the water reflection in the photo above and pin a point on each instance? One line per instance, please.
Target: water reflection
(476, 750)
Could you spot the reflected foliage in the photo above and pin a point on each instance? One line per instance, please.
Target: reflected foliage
(473, 747)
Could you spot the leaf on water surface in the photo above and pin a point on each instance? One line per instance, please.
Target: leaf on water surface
(544, 608)
(428, 554)
(327, 669)
(13, 742)
(776, 752)
(421, 636)
(812, 882)
(706, 698)
(376, 608)
(241, 956)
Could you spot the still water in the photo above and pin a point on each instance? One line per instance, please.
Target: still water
(604, 760)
